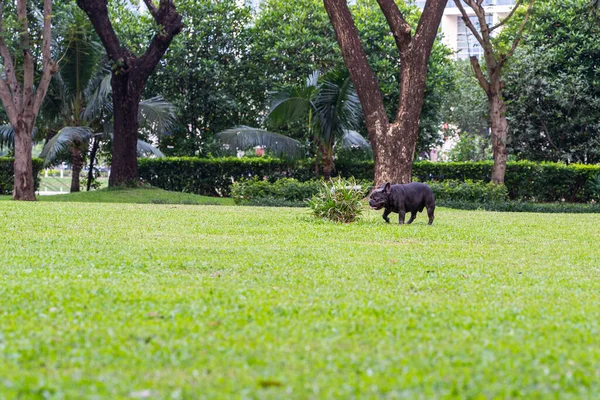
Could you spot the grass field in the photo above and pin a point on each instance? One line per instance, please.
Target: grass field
(176, 301)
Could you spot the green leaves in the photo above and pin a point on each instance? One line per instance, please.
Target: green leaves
(339, 200)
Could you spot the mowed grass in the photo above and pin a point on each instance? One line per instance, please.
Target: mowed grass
(118, 301)
(147, 195)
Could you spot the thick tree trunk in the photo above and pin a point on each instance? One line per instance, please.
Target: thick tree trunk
(126, 99)
(394, 153)
(393, 143)
(24, 186)
(76, 165)
(499, 126)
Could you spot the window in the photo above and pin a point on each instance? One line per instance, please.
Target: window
(466, 44)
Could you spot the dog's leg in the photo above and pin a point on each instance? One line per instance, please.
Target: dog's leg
(401, 216)
(413, 215)
(430, 214)
(385, 215)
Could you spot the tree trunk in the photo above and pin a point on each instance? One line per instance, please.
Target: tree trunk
(394, 153)
(499, 126)
(393, 143)
(90, 177)
(126, 99)
(76, 164)
(23, 168)
(327, 159)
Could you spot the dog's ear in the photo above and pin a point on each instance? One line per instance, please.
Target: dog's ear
(388, 188)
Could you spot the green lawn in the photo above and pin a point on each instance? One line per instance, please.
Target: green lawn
(137, 195)
(175, 301)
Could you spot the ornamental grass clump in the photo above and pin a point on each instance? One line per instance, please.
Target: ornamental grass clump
(338, 200)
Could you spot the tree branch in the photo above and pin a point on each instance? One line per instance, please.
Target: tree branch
(7, 102)
(363, 77)
(467, 20)
(399, 27)
(508, 17)
(28, 72)
(480, 75)
(170, 24)
(429, 24)
(49, 67)
(152, 8)
(9, 69)
(97, 12)
(519, 35)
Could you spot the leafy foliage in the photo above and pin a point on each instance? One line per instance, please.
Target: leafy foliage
(286, 192)
(529, 181)
(339, 200)
(468, 191)
(210, 176)
(553, 86)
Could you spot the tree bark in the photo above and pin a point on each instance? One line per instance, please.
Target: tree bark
(124, 167)
(24, 188)
(76, 165)
(90, 177)
(499, 128)
(129, 76)
(394, 142)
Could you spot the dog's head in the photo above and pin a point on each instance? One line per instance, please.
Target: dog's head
(379, 197)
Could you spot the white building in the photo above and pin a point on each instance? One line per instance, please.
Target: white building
(457, 35)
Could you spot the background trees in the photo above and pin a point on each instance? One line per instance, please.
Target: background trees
(490, 77)
(553, 86)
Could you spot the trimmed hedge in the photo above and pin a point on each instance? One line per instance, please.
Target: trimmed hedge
(519, 206)
(7, 174)
(208, 176)
(470, 192)
(525, 181)
(285, 192)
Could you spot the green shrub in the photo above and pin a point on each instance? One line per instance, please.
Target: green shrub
(475, 192)
(519, 206)
(338, 200)
(285, 192)
(7, 174)
(525, 181)
(208, 176)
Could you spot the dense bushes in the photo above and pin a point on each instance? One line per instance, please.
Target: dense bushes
(7, 174)
(285, 192)
(469, 192)
(525, 181)
(207, 176)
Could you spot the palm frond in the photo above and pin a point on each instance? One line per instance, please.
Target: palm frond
(64, 139)
(289, 109)
(7, 137)
(145, 149)
(245, 137)
(353, 139)
(98, 93)
(157, 114)
(337, 109)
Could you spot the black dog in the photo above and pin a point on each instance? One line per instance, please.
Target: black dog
(411, 197)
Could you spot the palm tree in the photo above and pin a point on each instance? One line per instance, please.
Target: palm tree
(330, 107)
